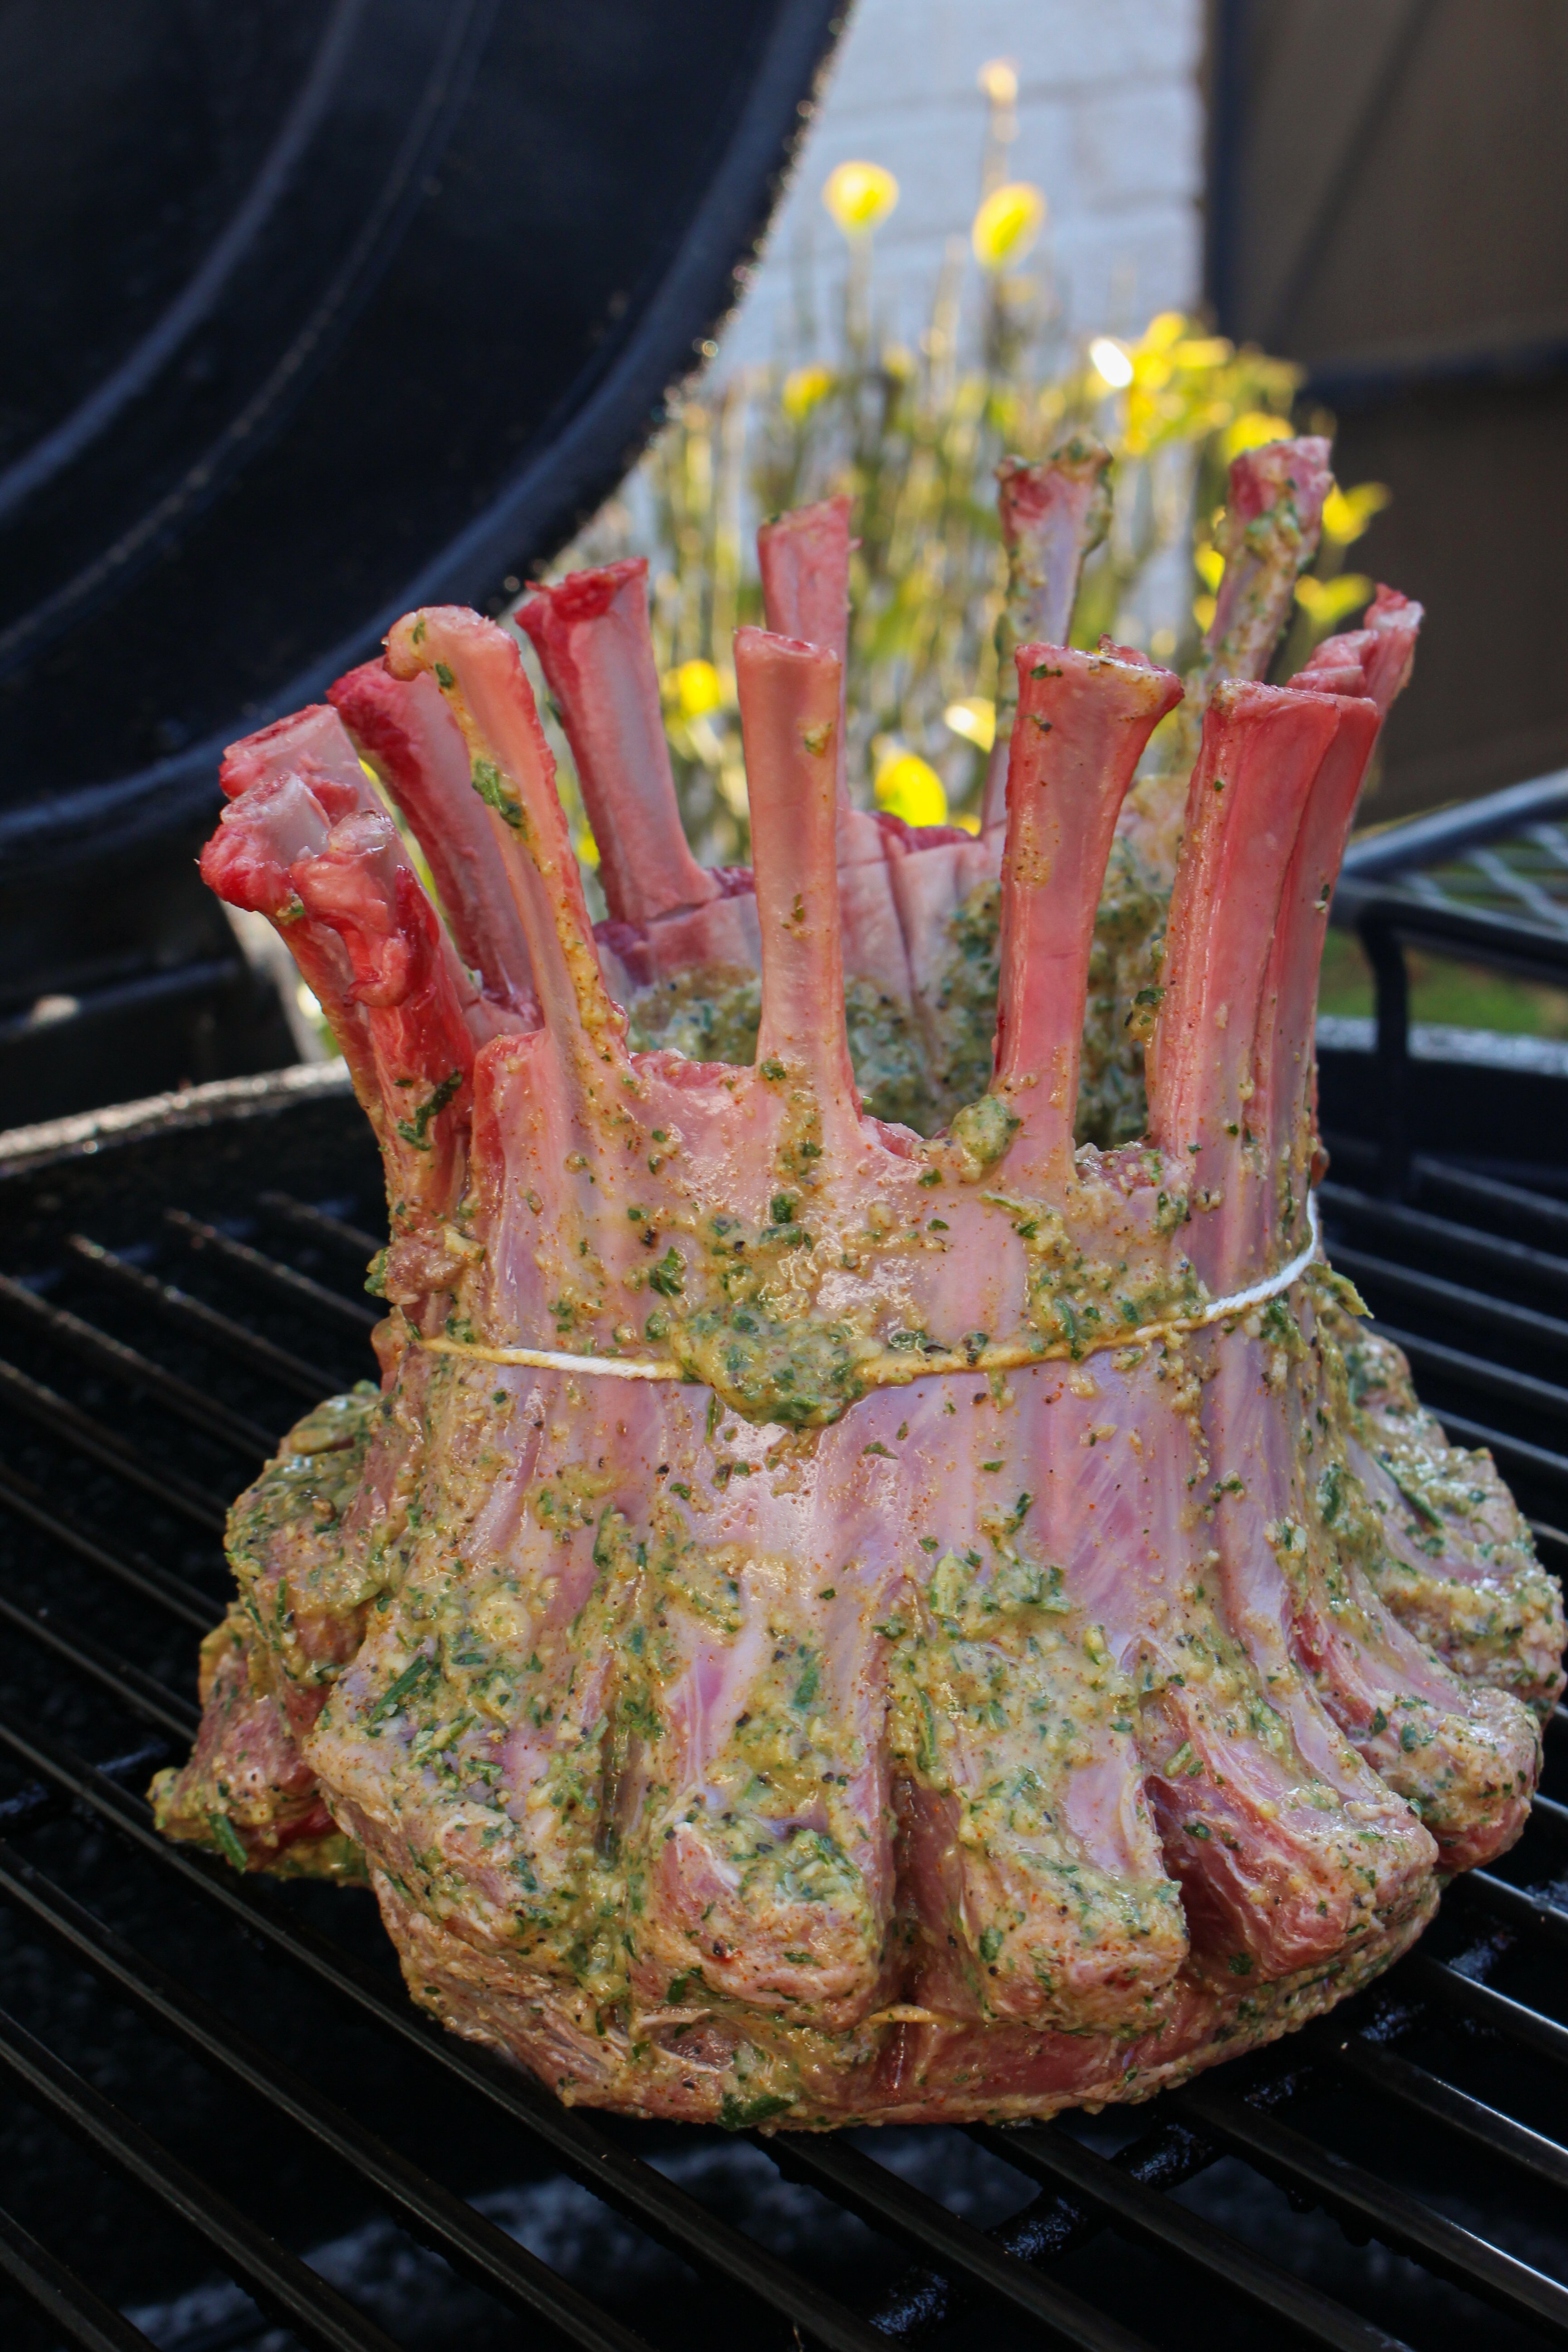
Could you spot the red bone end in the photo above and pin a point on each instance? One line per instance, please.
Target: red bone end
(804, 560)
(1375, 659)
(789, 719)
(309, 743)
(247, 861)
(1297, 471)
(581, 596)
(591, 634)
(1052, 514)
(1274, 513)
(419, 750)
(370, 947)
(1339, 667)
(1394, 622)
(358, 884)
(480, 666)
(1083, 721)
(1262, 748)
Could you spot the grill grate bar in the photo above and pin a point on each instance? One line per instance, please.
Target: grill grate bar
(1167, 2157)
(1427, 2094)
(1477, 1307)
(1521, 1389)
(1515, 1260)
(204, 1322)
(587, 2150)
(82, 2317)
(138, 1372)
(319, 1224)
(271, 1272)
(34, 1804)
(1400, 2221)
(440, 2220)
(136, 1691)
(1053, 2156)
(891, 2206)
(279, 2282)
(1487, 1192)
(83, 1434)
(1517, 1905)
(165, 1590)
(1451, 1988)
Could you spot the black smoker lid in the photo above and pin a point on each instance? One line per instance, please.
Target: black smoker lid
(323, 312)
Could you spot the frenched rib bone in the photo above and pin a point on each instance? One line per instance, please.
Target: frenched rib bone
(1053, 515)
(670, 915)
(803, 558)
(345, 901)
(822, 1625)
(592, 636)
(1081, 723)
(405, 733)
(1274, 513)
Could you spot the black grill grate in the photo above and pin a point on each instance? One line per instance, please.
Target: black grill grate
(204, 2076)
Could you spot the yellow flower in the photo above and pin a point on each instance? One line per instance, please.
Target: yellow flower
(1203, 611)
(1166, 328)
(587, 848)
(694, 688)
(975, 719)
(1007, 224)
(907, 787)
(998, 80)
(1250, 430)
(803, 388)
(1347, 513)
(1196, 352)
(859, 196)
(1329, 601)
(1209, 565)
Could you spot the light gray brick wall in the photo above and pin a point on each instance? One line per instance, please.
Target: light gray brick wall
(1109, 125)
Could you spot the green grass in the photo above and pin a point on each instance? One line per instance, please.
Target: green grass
(1460, 995)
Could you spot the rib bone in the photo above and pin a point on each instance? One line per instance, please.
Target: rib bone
(403, 729)
(1053, 516)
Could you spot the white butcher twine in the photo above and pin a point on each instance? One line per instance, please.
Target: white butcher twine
(1006, 1356)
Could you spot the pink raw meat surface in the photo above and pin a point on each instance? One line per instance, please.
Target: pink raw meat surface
(823, 1623)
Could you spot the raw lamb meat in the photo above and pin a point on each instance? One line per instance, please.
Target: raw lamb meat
(822, 1624)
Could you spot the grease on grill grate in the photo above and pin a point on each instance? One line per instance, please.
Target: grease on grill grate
(222, 2115)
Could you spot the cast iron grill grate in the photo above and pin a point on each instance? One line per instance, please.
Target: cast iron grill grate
(219, 2110)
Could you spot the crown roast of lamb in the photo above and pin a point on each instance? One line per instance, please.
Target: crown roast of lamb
(883, 1578)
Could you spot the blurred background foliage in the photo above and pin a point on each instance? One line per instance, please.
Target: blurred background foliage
(913, 434)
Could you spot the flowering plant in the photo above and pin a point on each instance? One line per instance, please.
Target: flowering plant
(914, 435)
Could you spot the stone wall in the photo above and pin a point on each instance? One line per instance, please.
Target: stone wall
(1109, 125)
